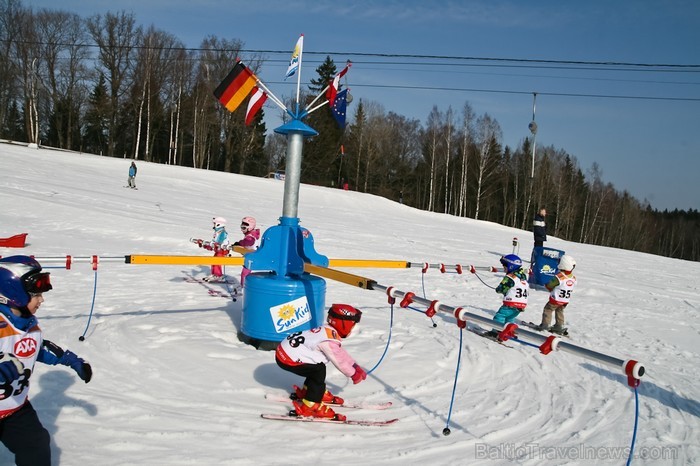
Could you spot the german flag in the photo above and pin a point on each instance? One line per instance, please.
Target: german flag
(235, 87)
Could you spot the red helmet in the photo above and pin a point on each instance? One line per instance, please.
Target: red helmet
(343, 317)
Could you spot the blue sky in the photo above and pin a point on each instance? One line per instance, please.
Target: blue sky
(642, 142)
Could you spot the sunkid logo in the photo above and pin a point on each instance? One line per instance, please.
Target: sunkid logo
(290, 315)
(25, 348)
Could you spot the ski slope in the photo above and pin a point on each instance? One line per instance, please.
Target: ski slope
(173, 385)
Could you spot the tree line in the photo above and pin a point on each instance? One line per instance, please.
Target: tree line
(105, 85)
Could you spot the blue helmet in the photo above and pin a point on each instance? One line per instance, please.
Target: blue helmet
(511, 262)
(20, 276)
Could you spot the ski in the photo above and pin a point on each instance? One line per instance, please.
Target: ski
(485, 334)
(353, 422)
(190, 279)
(564, 332)
(221, 294)
(346, 404)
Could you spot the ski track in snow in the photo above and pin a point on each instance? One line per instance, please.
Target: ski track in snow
(174, 385)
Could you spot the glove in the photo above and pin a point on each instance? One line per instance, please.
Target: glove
(359, 374)
(10, 368)
(82, 368)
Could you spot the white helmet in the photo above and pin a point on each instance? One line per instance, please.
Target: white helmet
(219, 222)
(567, 263)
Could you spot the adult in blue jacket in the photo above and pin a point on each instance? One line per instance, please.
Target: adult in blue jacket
(132, 175)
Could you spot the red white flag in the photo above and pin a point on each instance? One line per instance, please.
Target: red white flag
(335, 84)
(257, 99)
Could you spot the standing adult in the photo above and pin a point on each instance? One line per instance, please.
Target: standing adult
(132, 175)
(539, 228)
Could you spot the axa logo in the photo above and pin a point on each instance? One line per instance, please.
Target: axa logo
(25, 348)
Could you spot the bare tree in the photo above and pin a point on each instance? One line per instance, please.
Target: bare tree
(116, 36)
(433, 132)
(448, 135)
(62, 38)
(488, 133)
(11, 12)
(467, 138)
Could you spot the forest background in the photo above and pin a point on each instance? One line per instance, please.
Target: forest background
(105, 85)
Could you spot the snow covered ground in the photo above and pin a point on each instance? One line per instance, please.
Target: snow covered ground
(173, 385)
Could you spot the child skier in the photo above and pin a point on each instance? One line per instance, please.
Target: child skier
(560, 289)
(249, 241)
(22, 284)
(514, 288)
(219, 246)
(306, 354)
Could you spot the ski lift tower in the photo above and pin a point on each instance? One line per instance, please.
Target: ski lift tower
(279, 297)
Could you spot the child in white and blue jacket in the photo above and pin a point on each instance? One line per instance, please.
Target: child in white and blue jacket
(22, 285)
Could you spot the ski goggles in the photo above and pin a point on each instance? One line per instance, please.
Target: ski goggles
(37, 283)
(244, 225)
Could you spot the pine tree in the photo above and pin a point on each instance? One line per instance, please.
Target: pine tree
(96, 124)
(321, 158)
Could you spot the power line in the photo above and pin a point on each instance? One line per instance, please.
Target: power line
(390, 55)
(500, 91)
(514, 60)
(492, 62)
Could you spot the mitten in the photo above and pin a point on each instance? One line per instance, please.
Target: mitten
(82, 368)
(10, 368)
(359, 374)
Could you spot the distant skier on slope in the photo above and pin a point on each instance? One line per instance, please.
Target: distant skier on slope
(560, 287)
(306, 354)
(249, 241)
(132, 176)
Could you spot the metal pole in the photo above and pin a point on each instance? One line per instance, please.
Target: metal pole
(292, 177)
(630, 368)
(533, 128)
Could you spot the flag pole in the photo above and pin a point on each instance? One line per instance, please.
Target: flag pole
(272, 96)
(318, 97)
(301, 51)
(310, 110)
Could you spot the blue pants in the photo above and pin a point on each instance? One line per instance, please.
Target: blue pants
(506, 314)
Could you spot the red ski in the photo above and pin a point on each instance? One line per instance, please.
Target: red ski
(346, 404)
(353, 422)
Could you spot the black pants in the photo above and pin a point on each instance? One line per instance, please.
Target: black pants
(23, 434)
(315, 381)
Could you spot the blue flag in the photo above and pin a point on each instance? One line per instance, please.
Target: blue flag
(339, 107)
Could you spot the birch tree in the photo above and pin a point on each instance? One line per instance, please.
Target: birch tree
(116, 36)
(488, 133)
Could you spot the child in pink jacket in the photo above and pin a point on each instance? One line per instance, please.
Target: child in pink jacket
(249, 241)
